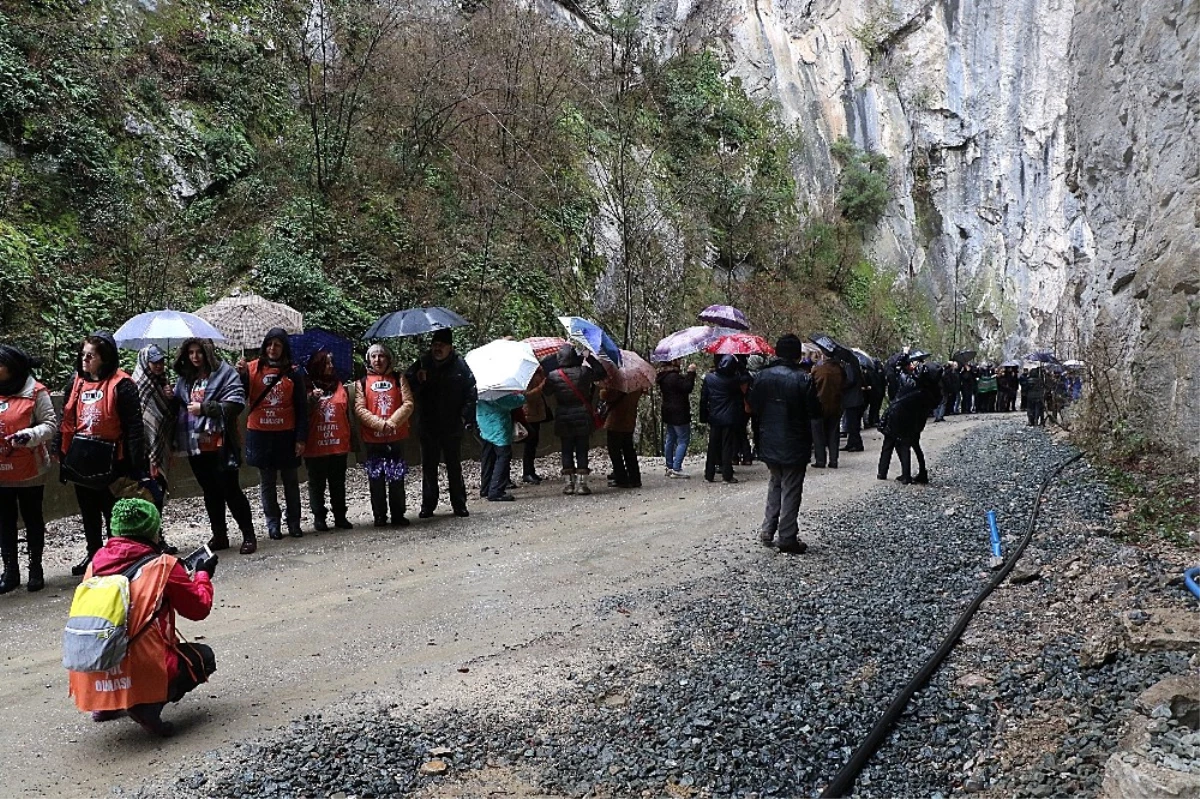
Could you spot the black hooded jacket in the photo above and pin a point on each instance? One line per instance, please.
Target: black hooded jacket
(573, 418)
(722, 394)
(916, 397)
(784, 399)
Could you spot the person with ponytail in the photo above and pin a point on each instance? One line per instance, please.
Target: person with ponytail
(27, 424)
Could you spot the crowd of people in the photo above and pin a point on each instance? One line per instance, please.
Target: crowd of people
(118, 434)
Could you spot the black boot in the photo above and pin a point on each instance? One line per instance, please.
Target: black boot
(11, 579)
(37, 544)
(219, 541)
(342, 523)
(80, 568)
(320, 525)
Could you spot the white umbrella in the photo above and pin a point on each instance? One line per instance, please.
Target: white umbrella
(246, 318)
(166, 329)
(502, 367)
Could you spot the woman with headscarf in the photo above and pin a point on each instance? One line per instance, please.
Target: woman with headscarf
(276, 429)
(27, 425)
(383, 405)
(158, 667)
(210, 397)
(155, 393)
(328, 443)
(101, 436)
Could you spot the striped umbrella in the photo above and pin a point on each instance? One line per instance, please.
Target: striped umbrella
(244, 319)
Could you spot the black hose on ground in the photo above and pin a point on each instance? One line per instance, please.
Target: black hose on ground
(843, 781)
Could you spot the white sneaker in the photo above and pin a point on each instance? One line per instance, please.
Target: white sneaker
(681, 474)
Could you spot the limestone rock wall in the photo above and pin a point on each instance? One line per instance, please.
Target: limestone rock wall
(1045, 160)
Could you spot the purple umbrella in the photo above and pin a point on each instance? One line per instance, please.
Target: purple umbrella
(687, 342)
(724, 316)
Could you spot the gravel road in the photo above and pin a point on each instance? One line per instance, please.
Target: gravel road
(642, 643)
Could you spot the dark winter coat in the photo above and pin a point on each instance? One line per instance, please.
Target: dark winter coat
(676, 388)
(853, 395)
(722, 394)
(829, 381)
(573, 416)
(1033, 385)
(784, 400)
(905, 417)
(445, 398)
(950, 382)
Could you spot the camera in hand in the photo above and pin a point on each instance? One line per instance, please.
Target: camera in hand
(192, 561)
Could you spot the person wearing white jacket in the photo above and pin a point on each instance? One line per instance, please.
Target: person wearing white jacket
(27, 425)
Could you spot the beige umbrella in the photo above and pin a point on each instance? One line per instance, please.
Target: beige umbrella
(244, 319)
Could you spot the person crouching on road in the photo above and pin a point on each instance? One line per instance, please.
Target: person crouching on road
(383, 405)
(158, 667)
(276, 429)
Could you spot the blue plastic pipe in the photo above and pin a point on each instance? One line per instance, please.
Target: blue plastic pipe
(995, 532)
(1189, 579)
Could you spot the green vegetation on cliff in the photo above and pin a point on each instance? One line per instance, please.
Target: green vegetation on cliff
(351, 157)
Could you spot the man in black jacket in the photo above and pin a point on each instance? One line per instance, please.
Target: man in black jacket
(722, 407)
(445, 398)
(785, 401)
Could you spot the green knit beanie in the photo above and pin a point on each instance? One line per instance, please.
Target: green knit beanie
(135, 518)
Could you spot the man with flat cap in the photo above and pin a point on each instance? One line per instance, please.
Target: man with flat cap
(445, 399)
(785, 401)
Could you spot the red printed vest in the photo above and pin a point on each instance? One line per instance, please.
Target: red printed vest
(18, 464)
(275, 411)
(94, 407)
(382, 396)
(329, 426)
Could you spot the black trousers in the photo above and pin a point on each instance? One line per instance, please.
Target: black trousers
(623, 455)
(721, 443)
(529, 454)
(95, 508)
(435, 450)
(327, 470)
(221, 490)
(494, 463)
(904, 452)
(196, 663)
(853, 418)
(25, 502)
(968, 401)
(825, 439)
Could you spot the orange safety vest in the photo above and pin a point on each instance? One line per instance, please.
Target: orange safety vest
(382, 396)
(329, 427)
(18, 464)
(91, 410)
(275, 411)
(142, 676)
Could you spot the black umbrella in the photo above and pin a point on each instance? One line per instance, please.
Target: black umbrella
(963, 357)
(414, 322)
(1043, 357)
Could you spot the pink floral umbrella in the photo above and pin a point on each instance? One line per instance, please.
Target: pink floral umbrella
(740, 344)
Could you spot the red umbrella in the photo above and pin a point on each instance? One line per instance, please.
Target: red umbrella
(740, 344)
(546, 345)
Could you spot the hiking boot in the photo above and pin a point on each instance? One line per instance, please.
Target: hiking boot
(37, 580)
(904, 479)
(249, 545)
(793, 548)
(11, 579)
(295, 531)
(459, 512)
(425, 514)
(532, 479)
(569, 488)
(766, 540)
(731, 480)
(581, 486)
(320, 525)
(342, 523)
(922, 478)
(401, 521)
(273, 531)
(219, 543)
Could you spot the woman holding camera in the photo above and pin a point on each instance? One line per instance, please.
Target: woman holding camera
(27, 424)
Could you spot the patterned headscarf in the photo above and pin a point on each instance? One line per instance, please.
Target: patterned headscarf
(156, 404)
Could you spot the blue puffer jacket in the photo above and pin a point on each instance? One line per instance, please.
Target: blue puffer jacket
(722, 400)
(494, 418)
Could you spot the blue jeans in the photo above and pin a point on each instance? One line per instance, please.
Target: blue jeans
(676, 444)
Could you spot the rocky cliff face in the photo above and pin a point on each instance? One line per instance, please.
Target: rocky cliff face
(1046, 166)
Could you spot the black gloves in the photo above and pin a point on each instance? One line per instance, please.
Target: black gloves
(209, 565)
